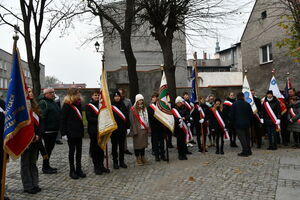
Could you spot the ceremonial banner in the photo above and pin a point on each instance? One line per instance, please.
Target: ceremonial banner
(163, 111)
(288, 86)
(276, 92)
(18, 129)
(106, 120)
(248, 95)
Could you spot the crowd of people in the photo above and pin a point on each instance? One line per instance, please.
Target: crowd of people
(210, 119)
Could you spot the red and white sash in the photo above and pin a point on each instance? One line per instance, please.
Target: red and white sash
(153, 107)
(221, 122)
(118, 112)
(202, 114)
(292, 113)
(94, 108)
(77, 111)
(185, 128)
(227, 103)
(140, 120)
(35, 119)
(256, 116)
(189, 106)
(271, 114)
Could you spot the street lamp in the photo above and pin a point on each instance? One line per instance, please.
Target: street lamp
(97, 47)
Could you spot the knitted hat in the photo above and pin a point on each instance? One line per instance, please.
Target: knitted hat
(138, 97)
(179, 99)
(116, 93)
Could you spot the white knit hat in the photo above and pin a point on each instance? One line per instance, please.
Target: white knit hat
(138, 97)
(179, 99)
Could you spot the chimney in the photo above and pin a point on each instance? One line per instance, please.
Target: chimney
(204, 55)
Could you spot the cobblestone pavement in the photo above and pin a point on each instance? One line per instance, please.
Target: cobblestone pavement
(202, 176)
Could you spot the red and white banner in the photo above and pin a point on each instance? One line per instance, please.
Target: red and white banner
(221, 122)
(292, 113)
(118, 112)
(271, 114)
(183, 126)
(227, 103)
(140, 120)
(77, 111)
(94, 108)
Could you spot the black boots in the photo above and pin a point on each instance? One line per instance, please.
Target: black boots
(47, 169)
(182, 157)
(73, 174)
(157, 158)
(116, 164)
(123, 165)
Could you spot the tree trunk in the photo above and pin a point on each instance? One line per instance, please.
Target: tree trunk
(169, 68)
(131, 65)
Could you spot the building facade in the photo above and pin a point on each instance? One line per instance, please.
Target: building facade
(6, 66)
(260, 53)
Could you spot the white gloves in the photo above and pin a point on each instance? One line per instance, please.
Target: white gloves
(278, 122)
(64, 137)
(225, 129)
(191, 118)
(189, 124)
(262, 121)
(180, 120)
(201, 121)
(128, 131)
(180, 125)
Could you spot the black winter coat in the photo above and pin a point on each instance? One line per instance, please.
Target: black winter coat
(92, 118)
(71, 124)
(226, 111)
(50, 114)
(122, 126)
(213, 122)
(241, 114)
(275, 106)
(156, 126)
(184, 113)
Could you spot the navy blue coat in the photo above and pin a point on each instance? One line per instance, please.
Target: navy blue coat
(241, 115)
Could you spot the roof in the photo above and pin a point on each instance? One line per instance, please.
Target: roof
(232, 47)
(248, 20)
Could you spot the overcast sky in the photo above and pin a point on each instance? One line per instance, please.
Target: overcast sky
(66, 58)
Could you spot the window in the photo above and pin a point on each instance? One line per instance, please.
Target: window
(265, 53)
(264, 15)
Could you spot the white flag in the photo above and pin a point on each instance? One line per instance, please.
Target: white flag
(274, 87)
(248, 94)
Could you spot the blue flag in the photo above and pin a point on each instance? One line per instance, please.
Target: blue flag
(193, 98)
(18, 129)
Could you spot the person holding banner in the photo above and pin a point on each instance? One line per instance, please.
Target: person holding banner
(217, 125)
(182, 130)
(157, 128)
(118, 136)
(257, 121)
(241, 117)
(271, 118)
(227, 109)
(203, 113)
(294, 119)
(2, 111)
(29, 170)
(140, 128)
(97, 154)
(72, 127)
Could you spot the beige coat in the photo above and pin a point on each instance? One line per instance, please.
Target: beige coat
(140, 136)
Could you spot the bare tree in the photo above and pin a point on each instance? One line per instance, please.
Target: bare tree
(169, 16)
(291, 25)
(119, 16)
(51, 80)
(39, 18)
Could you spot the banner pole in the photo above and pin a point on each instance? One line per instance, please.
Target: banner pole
(3, 175)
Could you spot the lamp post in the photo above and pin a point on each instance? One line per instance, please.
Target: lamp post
(97, 47)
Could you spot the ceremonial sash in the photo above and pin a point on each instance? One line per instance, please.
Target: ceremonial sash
(118, 112)
(227, 103)
(94, 108)
(220, 122)
(76, 110)
(140, 120)
(190, 107)
(185, 128)
(35, 118)
(292, 113)
(257, 117)
(153, 107)
(202, 114)
(271, 114)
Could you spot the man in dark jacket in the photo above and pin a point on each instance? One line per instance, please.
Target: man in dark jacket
(294, 119)
(257, 125)
(157, 131)
(241, 116)
(2, 110)
(226, 111)
(271, 118)
(51, 116)
(118, 136)
(97, 154)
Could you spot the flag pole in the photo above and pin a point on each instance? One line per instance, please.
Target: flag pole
(3, 174)
(106, 148)
(198, 96)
